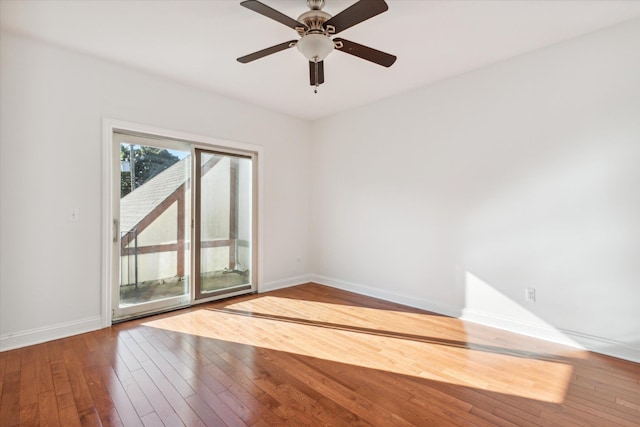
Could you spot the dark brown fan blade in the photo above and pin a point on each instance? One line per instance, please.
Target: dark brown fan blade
(364, 52)
(356, 13)
(265, 10)
(268, 51)
(319, 75)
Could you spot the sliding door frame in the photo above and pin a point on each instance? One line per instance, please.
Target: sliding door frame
(153, 305)
(109, 231)
(196, 259)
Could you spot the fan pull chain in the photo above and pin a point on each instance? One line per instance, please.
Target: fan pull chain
(315, 61)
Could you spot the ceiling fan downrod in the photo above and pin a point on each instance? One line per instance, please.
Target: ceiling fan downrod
(315, 4)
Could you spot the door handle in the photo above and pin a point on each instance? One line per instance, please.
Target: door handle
(116, 230)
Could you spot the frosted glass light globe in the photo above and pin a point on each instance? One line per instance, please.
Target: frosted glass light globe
(315, 47)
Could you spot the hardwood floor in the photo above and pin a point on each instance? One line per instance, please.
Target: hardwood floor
(312, 355)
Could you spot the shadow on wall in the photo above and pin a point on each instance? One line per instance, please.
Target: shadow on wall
(486, 305)
(566, 230)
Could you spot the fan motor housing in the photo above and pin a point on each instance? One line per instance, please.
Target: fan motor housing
(314, 20)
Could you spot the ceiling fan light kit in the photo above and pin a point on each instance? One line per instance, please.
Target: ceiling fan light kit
(315, 47)
(315, 28)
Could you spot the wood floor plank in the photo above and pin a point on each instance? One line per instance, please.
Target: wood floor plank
(630, 393)
(602, 401)
(132, 389)
(496, 420)
(44, 377)
(205, 413)
(123, 404)
(338, 393)
(241, 400)
(312, 355)
(602, 414)
(169, 371)
(172, 395)
(67, 410)
(10, 398)
(127, 357)
(79, 388)
(90, 418)
(169, 352)
(134, 348)
(161, 406)
(293, 394)
(69, 416)
(29, 408)
(281, 384)
(48, 408)
(101, 397)
(152, 420)
(2, 365)
(222, 410)
(29, 414)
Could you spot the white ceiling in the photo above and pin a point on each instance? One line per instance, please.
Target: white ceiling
(197, 42)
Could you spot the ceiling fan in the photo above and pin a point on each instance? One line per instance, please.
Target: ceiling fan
(315, 28)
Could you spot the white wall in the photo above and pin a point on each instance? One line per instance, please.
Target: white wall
(454, 197)
(458, 196)
(51, 110)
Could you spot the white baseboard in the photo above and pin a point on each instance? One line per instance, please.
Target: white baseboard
(568, 337)
(606, 346)
(284, 283)
(530, 329)
(49, 333)
(67, 329)
(545, 332)
(593, 343)
(410, 301)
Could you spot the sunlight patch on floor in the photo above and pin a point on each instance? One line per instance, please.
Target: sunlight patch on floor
(417, 348)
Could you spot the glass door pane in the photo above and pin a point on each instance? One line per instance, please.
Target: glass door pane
(223, 233)
(154, 215)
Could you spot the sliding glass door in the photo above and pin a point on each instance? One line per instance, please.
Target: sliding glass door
(153, 225)
(223, 256)
(184, 224)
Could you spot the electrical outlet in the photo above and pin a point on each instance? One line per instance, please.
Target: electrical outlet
(530, 294)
